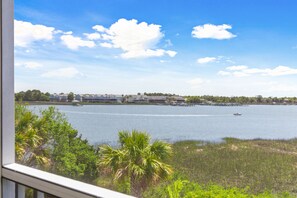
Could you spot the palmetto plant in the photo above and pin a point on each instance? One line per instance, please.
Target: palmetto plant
(28, 142)
(48, 141)
(137, 159)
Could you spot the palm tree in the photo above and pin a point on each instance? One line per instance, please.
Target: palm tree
(138, 160)
(28, 142)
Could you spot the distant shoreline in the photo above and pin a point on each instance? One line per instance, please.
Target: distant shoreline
(96, 103)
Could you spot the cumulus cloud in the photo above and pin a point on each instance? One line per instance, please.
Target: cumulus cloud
(29, 65)
(242, 70)
(237, 67)
(73, 42)
(100, 28)
(107, 45)
(137, 40)
(26, 33)
(171, 53)
(68, 72)
(210, 31)
(206, 60)
(224, 73)
(280, 71)
(217, 59)
(93, 36)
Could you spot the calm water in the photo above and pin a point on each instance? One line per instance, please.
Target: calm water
(100, 123)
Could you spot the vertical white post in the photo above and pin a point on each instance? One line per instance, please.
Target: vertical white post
(8, 190)
(0, 97)
(7, 94)
(8, 129)
(21, 191)
(40, 195)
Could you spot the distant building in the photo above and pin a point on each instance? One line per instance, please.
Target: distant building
(78, 97)
(157, 99)
(178, 99)
(137, 99)
(58, 98)
(102, 98)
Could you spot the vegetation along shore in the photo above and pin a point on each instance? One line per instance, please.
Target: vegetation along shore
(37, 97)
(232, 168)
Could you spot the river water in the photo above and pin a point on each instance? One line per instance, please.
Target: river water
(101, 123)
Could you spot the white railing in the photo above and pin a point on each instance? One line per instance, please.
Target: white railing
(54, 184)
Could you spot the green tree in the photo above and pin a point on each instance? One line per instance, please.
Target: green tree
(50, 143)
(32, 95)
(70, 96)
(137, 160)
(19, 96)
(28, 142)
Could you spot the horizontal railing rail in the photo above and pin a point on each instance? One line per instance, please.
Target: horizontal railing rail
(54, 184)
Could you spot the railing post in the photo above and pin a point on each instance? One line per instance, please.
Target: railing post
(21, 191)
(40, 195)
(7, 154)
(8, 189)
(37, 194)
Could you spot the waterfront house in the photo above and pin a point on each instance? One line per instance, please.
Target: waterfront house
(58, 97)
(78, 97)
(137, 99)
(102, 98)
(157, 99)
(178, 99)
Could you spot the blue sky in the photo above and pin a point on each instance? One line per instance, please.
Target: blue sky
(192, 47)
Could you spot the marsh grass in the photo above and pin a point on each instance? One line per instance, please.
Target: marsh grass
(260, 165)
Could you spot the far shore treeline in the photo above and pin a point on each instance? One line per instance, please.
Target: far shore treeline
(35, 95)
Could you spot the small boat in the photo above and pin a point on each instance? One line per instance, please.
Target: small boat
(237, 114)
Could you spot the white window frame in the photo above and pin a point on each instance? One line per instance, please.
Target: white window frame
(11, 173)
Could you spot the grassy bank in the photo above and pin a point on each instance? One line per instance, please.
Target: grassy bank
(260, 164)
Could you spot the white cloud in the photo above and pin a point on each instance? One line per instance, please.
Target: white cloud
(29, 65)
(210, 31)
(107, 45)
(137, 40)
(242, 71)
(217, 59)
(237, 67)
(93, 36)
(73, 42)
(68, 72)
(67, 33)
(171, 53)
(224, 73)
(206, 60)
(26, 33)
(280, 71)
(99, 28)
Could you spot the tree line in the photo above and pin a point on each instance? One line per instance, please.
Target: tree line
(37, 95)
(240, 100)
(157, 94)
(32, 95)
